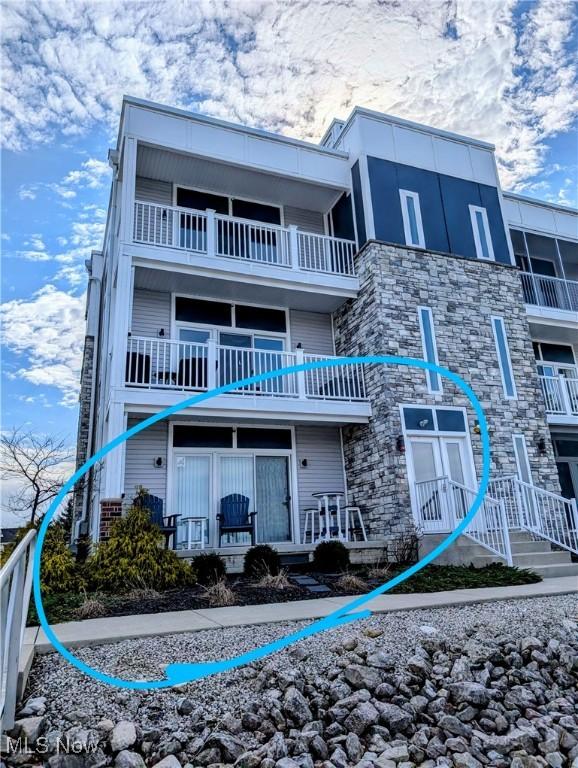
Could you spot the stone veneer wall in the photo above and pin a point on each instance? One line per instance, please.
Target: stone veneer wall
(463, 294)
(84, 416)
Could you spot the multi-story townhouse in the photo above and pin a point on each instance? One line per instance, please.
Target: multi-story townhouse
(230, 252)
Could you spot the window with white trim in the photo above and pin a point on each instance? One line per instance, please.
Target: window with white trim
(411, 214)
(430, 353)
(504, 360)
(482, 236)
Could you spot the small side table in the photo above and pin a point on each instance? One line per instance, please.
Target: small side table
(196, 525)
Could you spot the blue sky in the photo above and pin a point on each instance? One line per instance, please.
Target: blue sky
(501, 71)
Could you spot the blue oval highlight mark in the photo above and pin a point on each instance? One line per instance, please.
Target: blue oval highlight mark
(177, 674)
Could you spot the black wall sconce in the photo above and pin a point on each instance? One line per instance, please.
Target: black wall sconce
(304, 462)
(400, 444)
(162, 332)
(158, 462)
(541, 445)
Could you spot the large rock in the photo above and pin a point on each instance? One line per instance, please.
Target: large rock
(170, 761)
(360, 718)
(362, 677)
(230, 746)
(295, 706)
(122, 736)
(126, 759)
(29, 729)
(469, 693)
(394, 717)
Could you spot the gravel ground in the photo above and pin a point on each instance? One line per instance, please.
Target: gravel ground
(70, 693)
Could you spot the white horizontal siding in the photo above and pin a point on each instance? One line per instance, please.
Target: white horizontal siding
(309, 221)
(151, 311)
(321, 446)
(312, 330)
(153, 191)
(141, 451)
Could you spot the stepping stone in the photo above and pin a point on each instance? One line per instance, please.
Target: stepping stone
(304, 581)
(318, 589)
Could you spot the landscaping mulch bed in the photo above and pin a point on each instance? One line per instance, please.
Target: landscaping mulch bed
(304, 584)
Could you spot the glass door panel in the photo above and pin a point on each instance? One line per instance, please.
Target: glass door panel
(192, 492)
(426, 467)
(455, 468)
(269, 359)
(235, 357)
(236, 475)
(192, 358)
(273, 499)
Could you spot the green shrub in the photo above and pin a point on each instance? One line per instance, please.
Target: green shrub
(260, 561)
(209, 568)
(134, 556)
(331, 556)
(58, 571)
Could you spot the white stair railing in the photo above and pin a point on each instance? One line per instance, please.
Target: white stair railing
(15, 589)
(543, 513)
(443, 503)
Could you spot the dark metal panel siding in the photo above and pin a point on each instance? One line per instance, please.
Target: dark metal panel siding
(491, 202)
(427, 186)
(358, 202)
(457, 195)
(342, 218)
(384, 186)
(313, 331)
(308, 221)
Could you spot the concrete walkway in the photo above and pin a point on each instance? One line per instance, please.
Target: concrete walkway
(75, 634)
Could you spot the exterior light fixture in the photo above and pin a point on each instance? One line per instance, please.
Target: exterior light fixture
(162, 332)
(304, 462)
(477, 428)
(541, 444)
(158, 462)
(423, 423)
(400, 444)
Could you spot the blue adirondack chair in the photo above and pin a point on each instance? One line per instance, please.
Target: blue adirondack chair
(235, 517)
(154, 505)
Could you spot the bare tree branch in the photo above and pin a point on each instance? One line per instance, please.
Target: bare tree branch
(36, 464)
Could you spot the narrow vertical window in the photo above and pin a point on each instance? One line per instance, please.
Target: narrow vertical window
(482, 237)
(428, 341)
(522, 461)
(411, 214)
(504, 358)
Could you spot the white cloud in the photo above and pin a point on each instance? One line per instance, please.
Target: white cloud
(93, 175)
(27, 193)
(74, 276)
(47, 331)
(469, 68)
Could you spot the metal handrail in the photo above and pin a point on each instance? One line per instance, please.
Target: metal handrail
(15, 591)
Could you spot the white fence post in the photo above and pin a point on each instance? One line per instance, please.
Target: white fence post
(212, 364)
(293, 247)
(301, 384)
(211, 224)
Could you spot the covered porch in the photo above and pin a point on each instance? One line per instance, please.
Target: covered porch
(226, 486)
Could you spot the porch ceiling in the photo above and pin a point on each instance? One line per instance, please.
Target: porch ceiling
(234, 290)
(235, 419)
(555, 334)
(233, 180)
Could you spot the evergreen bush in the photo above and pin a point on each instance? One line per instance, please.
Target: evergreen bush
(260, 561)
(331, 556)
(209, 568)
(134, 556)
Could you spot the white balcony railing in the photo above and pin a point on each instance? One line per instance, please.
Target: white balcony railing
(560, 394)
(551, 292)
(213, 234)
(180, 365)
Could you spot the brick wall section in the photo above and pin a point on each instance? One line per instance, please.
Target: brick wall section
(463, 294)
(84, 416)
(110, 510)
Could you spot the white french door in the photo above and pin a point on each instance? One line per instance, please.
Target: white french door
(431, 458)
(192, 491)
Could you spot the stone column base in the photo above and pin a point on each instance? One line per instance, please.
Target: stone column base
(110, 510)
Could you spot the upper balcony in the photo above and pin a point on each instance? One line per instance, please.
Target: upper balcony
(223, 202)
(560, 390)
(250, 243)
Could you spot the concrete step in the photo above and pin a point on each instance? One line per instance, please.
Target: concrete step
(530, 546)
(559, 569)
(532, 559)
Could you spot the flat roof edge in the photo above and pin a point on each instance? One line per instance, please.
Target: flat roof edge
(422, 128)
(542, 203)
(217, 122)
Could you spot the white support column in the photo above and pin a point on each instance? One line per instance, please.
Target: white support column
(120, 319)
(293, 247)
(211, 226)
(128, 190)
(301, 388)
(212, 364)
(565, 395)
(113, 486)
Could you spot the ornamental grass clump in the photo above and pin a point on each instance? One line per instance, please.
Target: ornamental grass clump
(134, 557)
